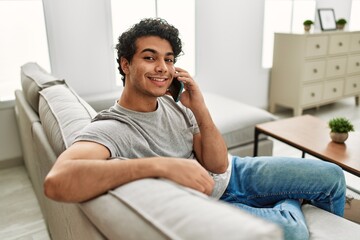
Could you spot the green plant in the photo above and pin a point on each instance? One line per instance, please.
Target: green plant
(340, 125)
(341, 21)
(308, 22)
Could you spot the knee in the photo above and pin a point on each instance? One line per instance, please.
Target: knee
(295, 230)
(337, 171)
(336, 177)
(338, 191)
(292, 220)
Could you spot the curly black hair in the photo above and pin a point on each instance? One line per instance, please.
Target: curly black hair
(126, 46)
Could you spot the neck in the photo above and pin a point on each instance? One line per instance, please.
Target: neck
(137, 103)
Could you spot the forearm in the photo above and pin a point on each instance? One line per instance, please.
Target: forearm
(209, 146)
(80, 180)
(213, 150)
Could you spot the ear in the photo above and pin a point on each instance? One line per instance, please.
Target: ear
(124, 64)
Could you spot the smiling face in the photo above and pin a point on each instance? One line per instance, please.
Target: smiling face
(151, 70)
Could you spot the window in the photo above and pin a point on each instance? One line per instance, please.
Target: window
(126, 13)
(284, 16)
(23, 39)
(354, 24)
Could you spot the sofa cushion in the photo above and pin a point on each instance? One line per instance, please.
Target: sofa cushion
(323, 225)
(63, 114)
(161, 209)
(235, 120)
(33, 79)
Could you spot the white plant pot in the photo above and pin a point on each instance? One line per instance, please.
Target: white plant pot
(338, 137)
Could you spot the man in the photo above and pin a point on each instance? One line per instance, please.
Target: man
(152, 136)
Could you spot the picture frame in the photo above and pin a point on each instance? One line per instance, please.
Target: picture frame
(327, 19)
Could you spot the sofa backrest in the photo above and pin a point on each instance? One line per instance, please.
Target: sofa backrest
(33, 79)
(57, 105)
(49, 115)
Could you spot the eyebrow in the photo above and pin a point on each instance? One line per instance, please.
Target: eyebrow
(156, 52)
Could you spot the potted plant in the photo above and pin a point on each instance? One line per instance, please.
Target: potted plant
(340, 23)
(307, 25)
(340, 128)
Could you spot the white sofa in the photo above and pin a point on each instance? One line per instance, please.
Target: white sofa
(49, 115)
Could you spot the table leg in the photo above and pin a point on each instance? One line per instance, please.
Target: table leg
(303, 154)
(256, 142)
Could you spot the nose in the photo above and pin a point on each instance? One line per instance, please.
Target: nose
(161, 66)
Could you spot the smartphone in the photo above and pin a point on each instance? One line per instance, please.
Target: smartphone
(176, 89)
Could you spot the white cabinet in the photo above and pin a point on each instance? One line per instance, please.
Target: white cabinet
(311, 70)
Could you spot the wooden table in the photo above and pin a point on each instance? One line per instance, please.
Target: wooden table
(311, 135)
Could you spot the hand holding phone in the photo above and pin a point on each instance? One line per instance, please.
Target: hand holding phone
(176, 89)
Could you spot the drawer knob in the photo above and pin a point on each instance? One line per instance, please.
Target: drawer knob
(355, 85)
(337, 67)
(315, 70)
(317, 46)
(357, 64)
(312, 94)
(340, 44)
(334, 90)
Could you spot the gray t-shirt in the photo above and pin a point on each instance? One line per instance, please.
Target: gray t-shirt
(166, 132)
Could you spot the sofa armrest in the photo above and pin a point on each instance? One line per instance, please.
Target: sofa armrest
(161, 209)
(323, 225)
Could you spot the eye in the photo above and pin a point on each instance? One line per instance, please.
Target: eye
(149, 58)
(169, 60)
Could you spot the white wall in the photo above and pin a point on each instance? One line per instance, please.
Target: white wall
(229, 49)
(228, 46)
(80, 44)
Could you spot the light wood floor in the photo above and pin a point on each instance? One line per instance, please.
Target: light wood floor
(20, 215)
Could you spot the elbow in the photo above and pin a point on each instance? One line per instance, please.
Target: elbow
(58, 188)
(49, 188)
(52, 188)
(220, 168)
(224, 167)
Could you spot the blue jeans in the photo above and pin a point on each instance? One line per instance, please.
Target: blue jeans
(271, 187)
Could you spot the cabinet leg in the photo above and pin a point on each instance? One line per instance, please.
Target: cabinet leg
(357, 100)
(298, 111)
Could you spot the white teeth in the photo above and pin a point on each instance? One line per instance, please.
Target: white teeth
(158, 79)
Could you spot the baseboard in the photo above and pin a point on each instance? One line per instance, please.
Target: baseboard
(13, 162)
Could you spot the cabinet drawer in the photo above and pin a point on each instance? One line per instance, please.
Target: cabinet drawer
(335, 67)
(354, 64)
(333, 89)
(339, 44)
(355, 42)
(316, 46)
(314, 70)
(311, 93)
(352, 85)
